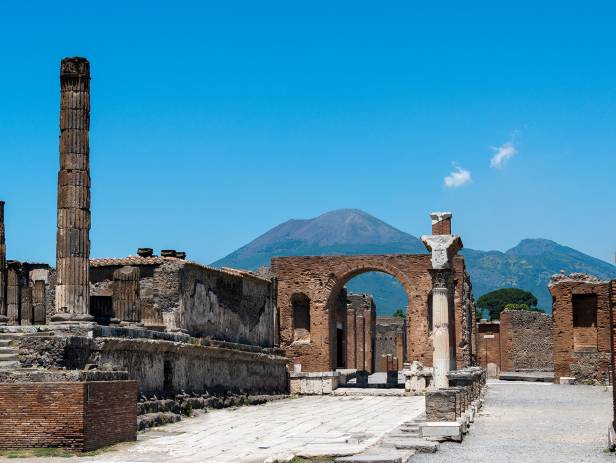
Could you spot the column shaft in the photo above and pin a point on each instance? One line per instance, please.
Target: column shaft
(73, 240)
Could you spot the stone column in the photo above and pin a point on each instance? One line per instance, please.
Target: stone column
(441, 359)
(39, 302)
(351, 360)
(13, 295)
(126, 303)
(3, 317)
(26, 315)
(73, 236)
(443, 247)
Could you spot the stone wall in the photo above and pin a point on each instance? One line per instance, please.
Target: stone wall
(180, 295)
(165, 368)
(581, 344)
(321, 278)
(74, 415)
(526, 342)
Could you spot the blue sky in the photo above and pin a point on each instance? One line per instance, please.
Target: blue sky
(213, 122)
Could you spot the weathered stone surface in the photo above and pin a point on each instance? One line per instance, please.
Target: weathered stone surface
(3, 275)
(72, 297)
(526, 341)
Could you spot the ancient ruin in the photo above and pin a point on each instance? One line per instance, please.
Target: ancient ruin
(439, 279)
(73, 237)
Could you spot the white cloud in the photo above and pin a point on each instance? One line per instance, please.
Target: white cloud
(502, 154)
(457, 178)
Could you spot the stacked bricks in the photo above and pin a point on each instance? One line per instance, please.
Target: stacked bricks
(73, 241)
(450, 403)
(81, 416)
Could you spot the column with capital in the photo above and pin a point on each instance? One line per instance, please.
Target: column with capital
(443, 248)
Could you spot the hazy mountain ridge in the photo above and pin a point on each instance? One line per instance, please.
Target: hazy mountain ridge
(528, 265)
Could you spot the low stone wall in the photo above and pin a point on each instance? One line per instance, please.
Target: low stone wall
(74, 415)
(314, 383)
(526, 342)
(449, 404)
(165, 368)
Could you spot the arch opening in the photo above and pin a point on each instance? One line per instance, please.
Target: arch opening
(368, 322)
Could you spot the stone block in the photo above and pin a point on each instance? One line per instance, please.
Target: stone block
(446, 430)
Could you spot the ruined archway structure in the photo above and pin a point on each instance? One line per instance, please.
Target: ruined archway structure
(321, 279)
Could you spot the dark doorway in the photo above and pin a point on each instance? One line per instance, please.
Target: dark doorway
(340, 351)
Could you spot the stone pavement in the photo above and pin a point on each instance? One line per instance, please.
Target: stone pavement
(308, 426)
(534, 422)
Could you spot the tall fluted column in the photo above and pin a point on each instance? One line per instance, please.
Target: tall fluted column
(440, 328)
(73, 236)
(3, 317)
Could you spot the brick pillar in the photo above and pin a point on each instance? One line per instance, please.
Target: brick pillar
(73, 236)
(126, 303)
(39, 302)
(361, 343)
(13, 295)
(368, 336)
(441, 223)
(351, 351)
(3, 317)
(26, 315)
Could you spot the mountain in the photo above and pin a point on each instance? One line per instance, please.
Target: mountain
(528, 265)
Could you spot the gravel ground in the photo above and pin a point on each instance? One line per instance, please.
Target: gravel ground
(535, 422)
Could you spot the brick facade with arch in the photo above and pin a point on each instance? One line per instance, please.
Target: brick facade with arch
(322, 278)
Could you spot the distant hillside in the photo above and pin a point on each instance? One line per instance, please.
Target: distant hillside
(528, 265)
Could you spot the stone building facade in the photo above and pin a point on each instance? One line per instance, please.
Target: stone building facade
(316, 281)
(489, 347)
(390, 343)
(582, 308)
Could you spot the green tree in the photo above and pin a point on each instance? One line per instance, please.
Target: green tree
(496, 301)
(398, 313)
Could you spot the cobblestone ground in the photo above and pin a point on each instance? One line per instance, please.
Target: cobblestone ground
(305, 426)
(534, 422)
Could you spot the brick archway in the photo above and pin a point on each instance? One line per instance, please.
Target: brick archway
(321, 278)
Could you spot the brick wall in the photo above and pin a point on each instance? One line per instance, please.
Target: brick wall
(574, 353)
(526, 341)
(74, 415)
(489, 347)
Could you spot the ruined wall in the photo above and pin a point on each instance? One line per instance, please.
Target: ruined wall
(75, 415)
(162, 367)
(581, 351)
(526, 341)
(180, 295)
(390, 341)
(227, 307)
(320, 278)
